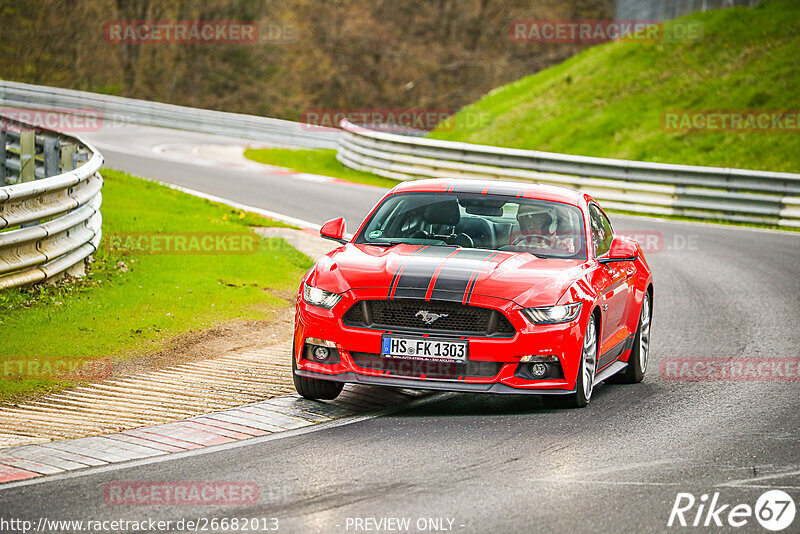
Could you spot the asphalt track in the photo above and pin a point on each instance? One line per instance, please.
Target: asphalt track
(171, 156)
(505, 463)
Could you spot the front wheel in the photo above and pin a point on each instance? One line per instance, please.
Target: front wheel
(584, 384)
(312, 388)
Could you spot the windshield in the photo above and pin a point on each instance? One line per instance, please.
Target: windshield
(545, 229)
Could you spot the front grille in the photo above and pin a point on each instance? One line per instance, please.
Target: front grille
(416, 368)
(404, 315)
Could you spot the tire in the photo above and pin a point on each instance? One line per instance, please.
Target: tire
(312, 388)
(584, 384)
(640, 353)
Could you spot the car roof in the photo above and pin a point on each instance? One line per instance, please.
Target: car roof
(492, 187)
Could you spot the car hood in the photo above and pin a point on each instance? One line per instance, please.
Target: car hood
(407, 271)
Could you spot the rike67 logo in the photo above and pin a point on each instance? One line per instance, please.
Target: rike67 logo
(774, 510)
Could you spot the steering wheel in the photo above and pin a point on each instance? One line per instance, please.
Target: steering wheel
(547, 241)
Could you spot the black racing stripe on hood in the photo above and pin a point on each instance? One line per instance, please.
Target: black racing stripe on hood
(402, 266)
(418, 271)
(474, 279)
(455, 276)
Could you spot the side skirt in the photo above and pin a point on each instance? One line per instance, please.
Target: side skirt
(609, 371)
(616, 351)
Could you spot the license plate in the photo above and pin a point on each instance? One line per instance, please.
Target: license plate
(426, 349)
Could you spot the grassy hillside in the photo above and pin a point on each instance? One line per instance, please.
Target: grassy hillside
(608, 100)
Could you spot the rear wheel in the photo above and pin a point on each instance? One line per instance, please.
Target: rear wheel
(640, 353)
(584, 384)
(312, 388)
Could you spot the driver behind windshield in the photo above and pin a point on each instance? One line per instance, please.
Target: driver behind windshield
(539, 232)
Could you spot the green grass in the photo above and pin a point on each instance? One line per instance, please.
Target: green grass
(132, 304)
(608, 100)
(317, 161)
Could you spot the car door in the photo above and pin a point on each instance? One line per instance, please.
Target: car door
(613, 286)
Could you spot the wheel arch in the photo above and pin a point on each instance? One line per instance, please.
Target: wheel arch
(598, 320)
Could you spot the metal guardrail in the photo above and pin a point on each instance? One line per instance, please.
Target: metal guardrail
(733, 195)
(650, 188)
(50, 200)
(114, 110)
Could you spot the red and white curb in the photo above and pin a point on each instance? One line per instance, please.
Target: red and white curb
(149, 398)
(216, 428)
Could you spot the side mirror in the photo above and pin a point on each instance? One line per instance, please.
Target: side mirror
(622, 249)
(334, 230)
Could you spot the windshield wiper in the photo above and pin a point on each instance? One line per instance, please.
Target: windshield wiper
(386, 243)
(395, 243)
(549, 256)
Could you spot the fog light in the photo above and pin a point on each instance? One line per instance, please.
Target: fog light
(321, 353)
(320, 342)
(538, 370)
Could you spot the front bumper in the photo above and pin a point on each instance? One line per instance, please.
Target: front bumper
(432, 384)
(500, 355)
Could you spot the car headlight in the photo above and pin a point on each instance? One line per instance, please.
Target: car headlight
(319, 297)
(553, 314)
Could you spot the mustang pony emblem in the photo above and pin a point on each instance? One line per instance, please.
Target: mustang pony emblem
(430, 318)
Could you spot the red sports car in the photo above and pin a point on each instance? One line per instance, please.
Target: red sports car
(479, 287)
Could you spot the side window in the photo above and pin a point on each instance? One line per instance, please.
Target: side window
(602, 234)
